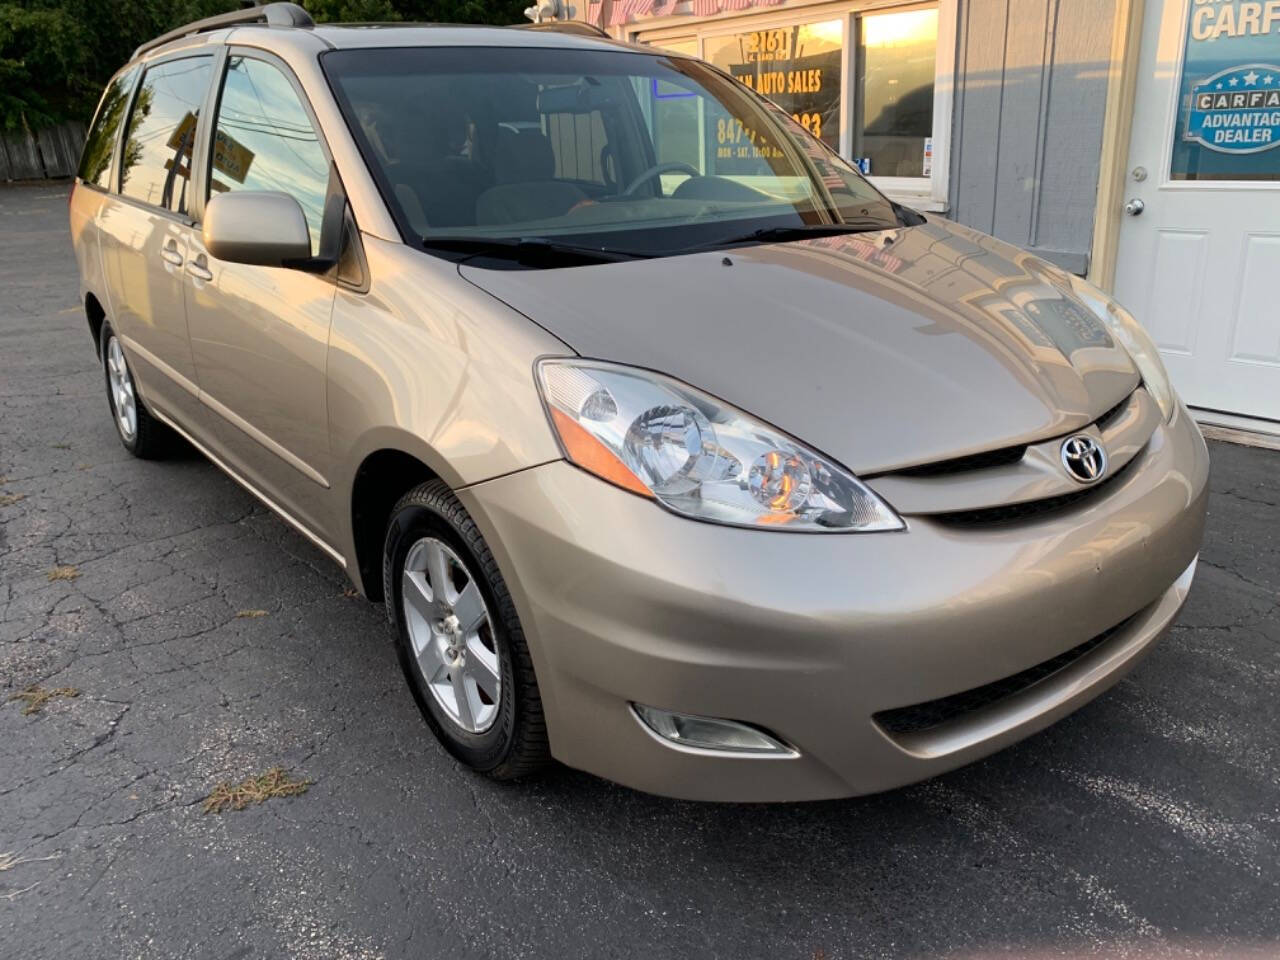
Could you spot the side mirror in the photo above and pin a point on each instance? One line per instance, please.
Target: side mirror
(259, 227)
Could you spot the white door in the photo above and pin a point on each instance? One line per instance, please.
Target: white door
(1199, 256)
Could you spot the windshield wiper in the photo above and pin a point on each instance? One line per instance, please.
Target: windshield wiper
(531, 251)
(909, 217)
(805, 231)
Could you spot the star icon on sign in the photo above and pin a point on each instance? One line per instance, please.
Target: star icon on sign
(1267, 79)
(1234, 82)
(1251, 78)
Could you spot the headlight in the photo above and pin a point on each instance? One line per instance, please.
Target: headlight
(698, 456)
(1134, 339)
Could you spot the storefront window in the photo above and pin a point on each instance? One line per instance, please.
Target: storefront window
(880, 116)
(893, 129)
(1228, 125)
(797, 67)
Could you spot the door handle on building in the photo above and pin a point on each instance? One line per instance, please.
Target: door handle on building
(198, 269)
(1134, 207)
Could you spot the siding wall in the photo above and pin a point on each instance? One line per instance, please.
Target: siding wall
(1031, 87)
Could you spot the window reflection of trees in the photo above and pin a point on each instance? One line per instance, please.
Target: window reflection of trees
(170, 93)
(95, 166)
(133, 147)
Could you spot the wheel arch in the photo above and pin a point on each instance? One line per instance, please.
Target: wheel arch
(96, 316)
(383, 477)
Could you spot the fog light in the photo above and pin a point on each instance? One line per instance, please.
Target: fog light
(709, 733)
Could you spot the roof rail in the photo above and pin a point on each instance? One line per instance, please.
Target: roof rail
(580, 27)
(272, 14)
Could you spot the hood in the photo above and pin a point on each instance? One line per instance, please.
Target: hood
(883, 350)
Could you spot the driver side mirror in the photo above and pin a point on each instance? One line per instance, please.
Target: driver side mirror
(258, 227)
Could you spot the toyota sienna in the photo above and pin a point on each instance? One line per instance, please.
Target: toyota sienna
(674, 449)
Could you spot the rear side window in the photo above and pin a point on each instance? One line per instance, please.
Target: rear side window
(264, 140)
(156, 166)
(100, 144)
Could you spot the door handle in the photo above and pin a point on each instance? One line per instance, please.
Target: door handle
(1134, 207)
(198, 269)
(171, 255)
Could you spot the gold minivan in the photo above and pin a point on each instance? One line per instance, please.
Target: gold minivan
(675, 450)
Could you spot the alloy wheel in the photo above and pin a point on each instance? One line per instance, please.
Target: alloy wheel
(451, 633)
(124, 400)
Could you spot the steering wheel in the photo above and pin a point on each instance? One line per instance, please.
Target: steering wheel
(657, 168)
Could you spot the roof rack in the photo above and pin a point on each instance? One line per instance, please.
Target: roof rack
(272, 14)
(580, 27)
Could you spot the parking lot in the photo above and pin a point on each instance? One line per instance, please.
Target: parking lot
(208, 642)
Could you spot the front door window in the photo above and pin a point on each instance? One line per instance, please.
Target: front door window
(264, 140)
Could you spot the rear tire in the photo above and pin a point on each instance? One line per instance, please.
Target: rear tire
(142, 435)
(458, 637)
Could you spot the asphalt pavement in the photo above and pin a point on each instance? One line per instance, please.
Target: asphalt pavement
(208, 642)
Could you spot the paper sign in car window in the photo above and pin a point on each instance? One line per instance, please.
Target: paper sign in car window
(230, 157)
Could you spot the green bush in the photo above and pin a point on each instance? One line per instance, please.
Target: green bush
(57, 55)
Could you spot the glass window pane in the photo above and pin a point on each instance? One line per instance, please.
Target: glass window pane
(893, 133)
(162, 132)
(797, 67)
(672, 116)
(100, 144)
(675, 127)
(1228, 125)
(264, 140)
(564, 143)
(578, 143)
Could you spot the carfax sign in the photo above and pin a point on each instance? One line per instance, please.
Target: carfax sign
(1237, 110)
(1229, 96)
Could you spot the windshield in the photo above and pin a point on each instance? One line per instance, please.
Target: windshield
(636, 153)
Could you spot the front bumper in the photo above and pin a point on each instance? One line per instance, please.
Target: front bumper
(809, 636)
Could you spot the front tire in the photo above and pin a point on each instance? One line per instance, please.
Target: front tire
(458, 637)
(142, 434)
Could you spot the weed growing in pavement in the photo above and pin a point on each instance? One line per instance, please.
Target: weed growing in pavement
(68, 572)
(36, 697)
(236, 796)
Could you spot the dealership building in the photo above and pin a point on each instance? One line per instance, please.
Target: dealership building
(1136, 142)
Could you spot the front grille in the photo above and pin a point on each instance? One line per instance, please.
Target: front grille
(1002, 457)
(975, 461)
(1105, 420)
(925, 716)
(1031, 509)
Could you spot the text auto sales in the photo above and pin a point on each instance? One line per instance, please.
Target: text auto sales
(789, 81)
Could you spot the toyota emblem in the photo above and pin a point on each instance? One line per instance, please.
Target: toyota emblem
(1084, 458)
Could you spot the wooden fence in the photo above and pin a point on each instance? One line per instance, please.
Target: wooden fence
(49, 153)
